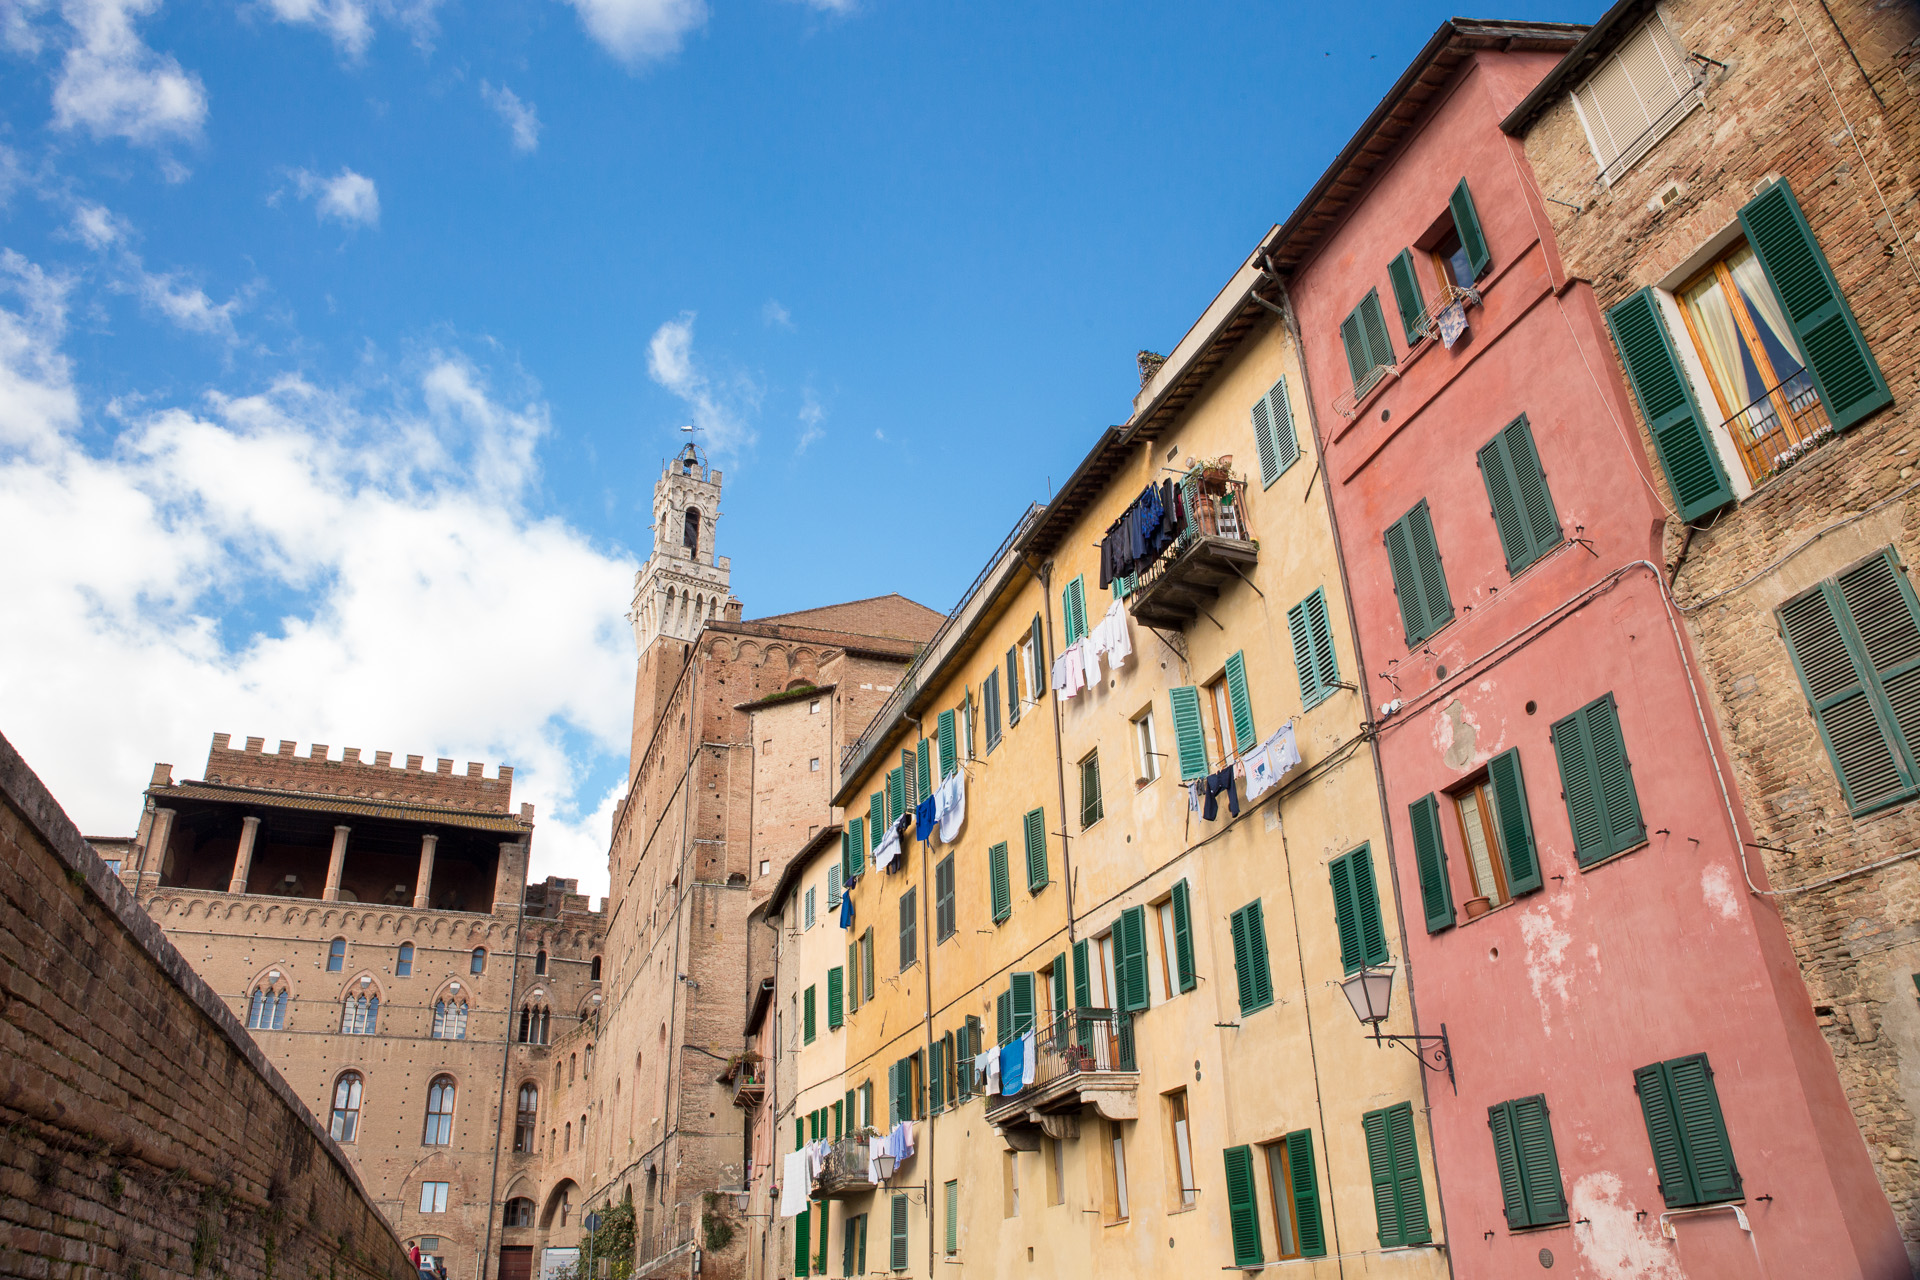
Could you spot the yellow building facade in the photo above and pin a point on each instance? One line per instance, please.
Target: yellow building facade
(1200, 1094)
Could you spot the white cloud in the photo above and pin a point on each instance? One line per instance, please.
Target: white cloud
(349, 23)
(113, 85)
(299, 561)
(775, 316)
(97, 227)
(184, 304)
(811, 415)
(637, 31)
(831, 6)
(522, 119)
(347, 197)
(719, 413)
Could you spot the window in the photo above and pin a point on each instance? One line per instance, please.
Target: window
(1243, 1213)
(944, 925)
(479, 962)
(766, 866)
(1002, 889)
(1400, 1202)
(813, 764)
(947, 735)
(807, 912)
(1418, 577)
(1364, 335)
(866, 964)
(898, 1260)
(1184, 1186)
(1641, 91)
(909, 928)
(1173, 919)
(1691, 1151)
(267, 1008)
(526, 1118)
(853, 1249)
(1187, 732)
(1073, 609)
(1529, 1169)
(1855, 639)
(1356, 910)
(1517, 491)
(1460, 257)
(433, 1198)
(539, 962)
(519, 1213)
(403, 964)
(1220, 713)
(1295, 1197)
(534, 1021)
(953, 1219)
(813, 707)
(346, 1106)
(593, 970)
(690, 538)
(439, 1130)
(1274, 437)
(1597, 781)
(990, 701)
(866, 1104)
(806, 1015)
(566, 1136)
(1313, 654)
(1146, 749)
(1034, 825)
(1119, 1209)
(450, 1020)
(360, 1015)
(1090, 808)
(336, 955)
(1130, 940)
(1250, 958)
(1010, 1185)
(966, 725)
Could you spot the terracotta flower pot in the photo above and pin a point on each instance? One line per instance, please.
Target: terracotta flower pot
(1477, 907)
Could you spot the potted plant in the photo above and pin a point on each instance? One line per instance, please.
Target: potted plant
(1477, 907)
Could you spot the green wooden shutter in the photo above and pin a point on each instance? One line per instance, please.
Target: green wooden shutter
(903, 1085)
(1506, 1159)
(1313, 656)
(923, 769)
(1253, 978)
(846, 854)
(1539, 1163)
(1130, 933)
(1364, 335)
(990, 706)
(1687, 452)
(1013, 686)
(876, 819)
(1073, 609)
(1430, 855)
(997, 874)
(1020, 992)
(1242, 1209)
(836, 879)
(1035, 827)
(799, 1132)
(1187, 732)
(1274, 436)
(1663, 1135)
(1855, 641)
(936, 1077)
(1514, 821)
(1003, 1017)
(1242, 959)
(806, 1002)
(1517, 491)
(1419, 580)
(1346, 916)
(1359, 362)
(1466, 221)
(1060, 985)
(1850, 383)
(1709, 1152)
(1306, 1194)
(866, 965)
(949, 744)
(896, 795)
(1373, 324)
(836, 998)
(1185, 977)
(1597, 779)
(856, 850)
(1082, 977)
(863, 1245)
(847, 1237)
(802, 1251)
(1240, 703)
(1356, 910)
(1406, 293)
(953, 1217)
(1399, 1199)
(898, 1260)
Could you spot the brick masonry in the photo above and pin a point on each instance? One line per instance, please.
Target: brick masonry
(145, 1135)
(1850, 153)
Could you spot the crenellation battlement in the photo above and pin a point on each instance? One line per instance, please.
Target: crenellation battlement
(319, 772)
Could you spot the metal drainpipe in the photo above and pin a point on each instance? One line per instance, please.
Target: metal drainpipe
(1373, 740)
(506, 1073)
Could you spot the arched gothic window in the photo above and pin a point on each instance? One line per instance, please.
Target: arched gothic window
(479, 964)
(346, 1106)
(449, 1020)
(519, 1212)
(439, 1131)
(525, 1118)
(540, 962)
(336, 955)
(533, 1024)
(589, 1064)
(566, 1141)
(403, 967)
(360, 1015)
(593, 973)
(267, 1008)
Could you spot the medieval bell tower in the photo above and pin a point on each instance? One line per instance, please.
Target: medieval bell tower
(682, 585)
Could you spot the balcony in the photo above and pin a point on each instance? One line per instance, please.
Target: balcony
(1214, 549)
(1082, 1059)
(1783, 423)
(845, 1174)
(747, 1074)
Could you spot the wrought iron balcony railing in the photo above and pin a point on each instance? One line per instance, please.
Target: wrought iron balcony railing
(1782, 423)
(1214, 548)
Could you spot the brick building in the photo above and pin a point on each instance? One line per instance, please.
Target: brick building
(737, 725)
(369, 923)
(1736, 184)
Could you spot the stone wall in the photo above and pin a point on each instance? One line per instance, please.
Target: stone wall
(381, 779)
(146, 1136)
(1790, 100)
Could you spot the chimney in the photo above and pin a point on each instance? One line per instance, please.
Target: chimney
(733, 610)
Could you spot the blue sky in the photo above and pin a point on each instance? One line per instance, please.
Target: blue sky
(341, 340)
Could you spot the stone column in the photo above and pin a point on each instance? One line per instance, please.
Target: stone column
(243, 859)
(423, 883)
(336, 864)
(153, 862)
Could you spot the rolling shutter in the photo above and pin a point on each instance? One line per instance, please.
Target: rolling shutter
(1855, 641)
(1240, 703)
(949, 744)
(1313, 656)
(1406, 293)
(1130, 932)
(1514, 821)
(1466, 221)
(1687, 453)
(1306, 1194)
(1517, 491)
(1597, 781)
(1419, 580)
(1184, 975)
(1850, 382)
(1430, 855)
(1035, 827)
(997, 874)
(1187, 732)
(1242, 1209)
(1274, 436)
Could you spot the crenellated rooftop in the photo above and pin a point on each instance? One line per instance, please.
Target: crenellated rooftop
(318, 772)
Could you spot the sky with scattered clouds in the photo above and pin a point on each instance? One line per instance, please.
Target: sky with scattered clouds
(341, 341)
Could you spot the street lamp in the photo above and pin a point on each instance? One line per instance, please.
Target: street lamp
(1370, 992)
(885, 1165)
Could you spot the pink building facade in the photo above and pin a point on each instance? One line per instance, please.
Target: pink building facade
(1641, 1086)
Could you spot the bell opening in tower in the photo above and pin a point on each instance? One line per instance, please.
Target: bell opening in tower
(692, 538)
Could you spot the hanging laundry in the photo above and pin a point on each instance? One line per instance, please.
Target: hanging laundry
(876, 1147)
(1026, 1058)
(1193, 795)
(1270, 761)
(1013, 1061)
(923, 819)
(1069, 675)
(906, 1139)
(987, 1072)
(886, 851)
(1215, 783)
(846, 903)
(1111, 638)
(950, 806)
(1089, 657)
(795, 1183)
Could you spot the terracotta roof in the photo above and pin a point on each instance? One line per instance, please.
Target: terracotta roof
(785, 695)
(340, 804)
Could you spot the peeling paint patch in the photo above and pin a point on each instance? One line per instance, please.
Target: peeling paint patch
(1613, 1243)
(1547, 944)
(1456, 736)
(1716, 885)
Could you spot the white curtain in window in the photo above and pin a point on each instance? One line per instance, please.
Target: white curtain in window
(1751, 279)
(1713, 317)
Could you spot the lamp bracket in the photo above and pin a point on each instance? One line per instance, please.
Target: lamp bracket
(1434, 1052)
